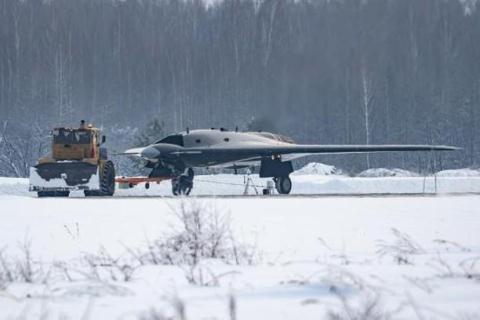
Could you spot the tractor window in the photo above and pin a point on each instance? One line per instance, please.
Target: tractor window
(71, 137)
(176, 139)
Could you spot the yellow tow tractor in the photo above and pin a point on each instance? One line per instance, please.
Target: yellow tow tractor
(77, 162)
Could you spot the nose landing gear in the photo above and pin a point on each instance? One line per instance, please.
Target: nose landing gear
(283, 184)
(183, 184)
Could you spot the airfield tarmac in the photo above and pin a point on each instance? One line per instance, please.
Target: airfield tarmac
(305, 185)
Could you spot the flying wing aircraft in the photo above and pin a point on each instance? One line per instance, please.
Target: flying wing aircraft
(175, 155)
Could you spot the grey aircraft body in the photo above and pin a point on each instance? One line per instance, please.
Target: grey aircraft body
(175, 155)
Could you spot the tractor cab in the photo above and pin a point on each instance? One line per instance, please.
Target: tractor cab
(75, 144)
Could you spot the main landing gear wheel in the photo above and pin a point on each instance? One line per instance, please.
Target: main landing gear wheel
(183, 184)
(283, 184)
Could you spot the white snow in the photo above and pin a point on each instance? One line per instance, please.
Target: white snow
(317, 168)
(228, 184)
(383, 172)
(415, 254)
(459, 173)
(14, 186)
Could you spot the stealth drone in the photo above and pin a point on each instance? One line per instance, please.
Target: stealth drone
(175, 155)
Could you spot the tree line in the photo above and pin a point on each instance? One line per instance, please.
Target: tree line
(320, 71)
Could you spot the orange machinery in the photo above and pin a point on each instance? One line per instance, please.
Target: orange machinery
(131, 182)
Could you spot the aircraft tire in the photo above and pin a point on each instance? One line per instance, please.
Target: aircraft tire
(283, 185)
(180, 189)
(183, 184)
(186, 184)
(175, 186)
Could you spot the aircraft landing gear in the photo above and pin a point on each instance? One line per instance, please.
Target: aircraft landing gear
(283, 184)
(183, 184)
(279, 170)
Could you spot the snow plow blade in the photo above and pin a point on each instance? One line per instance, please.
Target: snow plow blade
(62, 176)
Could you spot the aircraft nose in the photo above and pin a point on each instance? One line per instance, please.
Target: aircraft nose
(150, 153)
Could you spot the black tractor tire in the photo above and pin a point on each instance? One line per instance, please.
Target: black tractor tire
(283, 185)
(92, 193)
(107, 179)
(107, 182)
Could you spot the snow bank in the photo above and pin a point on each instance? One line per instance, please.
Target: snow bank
(396, 172)
(309, 184)
(459, 173)
(317, 168)
(13, 186)
(383, 172)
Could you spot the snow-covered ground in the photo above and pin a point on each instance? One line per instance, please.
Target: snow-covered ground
(382, 172)
(314, 178)
(405, 257)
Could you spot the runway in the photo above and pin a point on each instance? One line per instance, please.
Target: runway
(304, 187)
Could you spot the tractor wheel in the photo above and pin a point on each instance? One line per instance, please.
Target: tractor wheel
(107, 179)
(91, 193)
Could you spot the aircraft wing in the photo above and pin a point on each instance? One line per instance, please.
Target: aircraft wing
(255, 152)
(304, 150)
